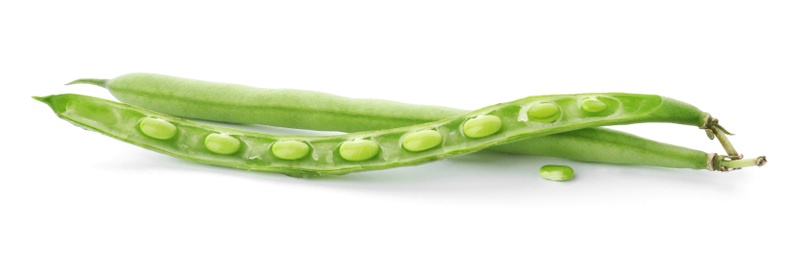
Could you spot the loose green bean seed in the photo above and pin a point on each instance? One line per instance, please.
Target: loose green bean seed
(545, 112)
(290, 149)
(556, 172)
(359, 150)
(222, 144)
(593, 105)
(422, 140)
(157, 128)
(482, 126)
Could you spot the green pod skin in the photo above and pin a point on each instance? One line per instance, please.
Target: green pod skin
(210, 144)
(604, 145)
(234, 103)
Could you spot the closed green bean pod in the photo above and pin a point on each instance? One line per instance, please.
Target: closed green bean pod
(234, 103)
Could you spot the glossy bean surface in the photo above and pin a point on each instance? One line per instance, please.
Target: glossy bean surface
(556, 172)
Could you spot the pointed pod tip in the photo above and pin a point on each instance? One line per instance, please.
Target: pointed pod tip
(42, 99)
(97, 82)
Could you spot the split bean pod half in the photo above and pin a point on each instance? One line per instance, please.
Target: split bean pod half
(304, 156)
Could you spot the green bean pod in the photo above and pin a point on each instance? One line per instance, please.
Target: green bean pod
(234, 103)
(305, 156)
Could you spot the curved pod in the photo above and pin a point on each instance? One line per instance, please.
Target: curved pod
(248, 150)
(235, 103)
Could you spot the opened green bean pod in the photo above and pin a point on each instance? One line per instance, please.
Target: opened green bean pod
(302, 109)
(328, 155)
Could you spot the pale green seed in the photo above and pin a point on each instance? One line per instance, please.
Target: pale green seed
(556, 172)
(157, 128)
(482, 126)
(359, 150)
(422, 140)
(593, 105)
(290, 149)
(222, 144)
(544, 112)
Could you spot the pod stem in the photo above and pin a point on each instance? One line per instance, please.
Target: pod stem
(98, 82)
(725, 163)
(714, 129)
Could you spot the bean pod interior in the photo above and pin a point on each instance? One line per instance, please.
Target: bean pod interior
(322, 155)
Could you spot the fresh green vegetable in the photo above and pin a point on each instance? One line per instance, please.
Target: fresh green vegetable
(361, 151)
(301, 109)
(556, 172)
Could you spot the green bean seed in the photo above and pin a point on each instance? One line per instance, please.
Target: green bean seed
(422, 140)
(157, 128)
(593, 105)
(545, 112)
(482, 126)
(556, 172)
(290, 149)
(222, 143)
(359, 150)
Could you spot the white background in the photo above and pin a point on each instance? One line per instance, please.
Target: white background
(66, 193)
